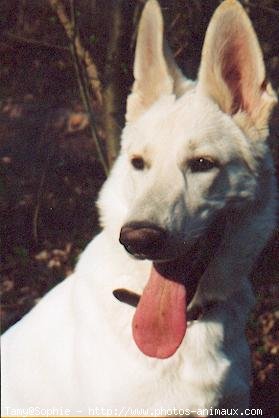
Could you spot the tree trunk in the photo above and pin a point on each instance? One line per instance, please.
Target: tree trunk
(111, 90)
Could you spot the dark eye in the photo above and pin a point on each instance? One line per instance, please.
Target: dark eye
(138, 163)
(202, 164)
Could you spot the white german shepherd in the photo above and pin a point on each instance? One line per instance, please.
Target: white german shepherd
(192, 199)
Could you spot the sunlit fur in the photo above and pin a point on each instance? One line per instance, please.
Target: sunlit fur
(75, 349)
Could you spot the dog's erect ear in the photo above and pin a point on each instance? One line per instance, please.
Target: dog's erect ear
(152, 78)
(155, 71)
(232, 70)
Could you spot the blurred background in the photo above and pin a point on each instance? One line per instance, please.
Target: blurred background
(65, 72)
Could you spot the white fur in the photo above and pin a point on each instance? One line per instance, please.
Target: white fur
(75, 348)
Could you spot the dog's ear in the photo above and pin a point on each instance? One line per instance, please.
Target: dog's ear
(152, 78)
(155, 71)
(232, 70)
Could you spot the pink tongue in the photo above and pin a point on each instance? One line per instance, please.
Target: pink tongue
(159, 323)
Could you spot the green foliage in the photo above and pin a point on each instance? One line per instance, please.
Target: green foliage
(53, 20)
(21, 253)
(93, 39)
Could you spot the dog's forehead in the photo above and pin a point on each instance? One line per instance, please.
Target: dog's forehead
(190, 124)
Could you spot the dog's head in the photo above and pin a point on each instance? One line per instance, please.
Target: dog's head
(192, 154)
(189, 150)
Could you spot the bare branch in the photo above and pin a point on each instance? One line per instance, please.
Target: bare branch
(265, 8)
(82, 53)
(83, 88)
(111, 91)
(39, 201)
(41, 188)
(35, 42)
(85, 69)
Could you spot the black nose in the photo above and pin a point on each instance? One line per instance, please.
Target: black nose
(144, 240)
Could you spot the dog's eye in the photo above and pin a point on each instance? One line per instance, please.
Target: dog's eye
(138, 163)
(202, 164)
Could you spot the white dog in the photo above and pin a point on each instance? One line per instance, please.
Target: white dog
(192, 199)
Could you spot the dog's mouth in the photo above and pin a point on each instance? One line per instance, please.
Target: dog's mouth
(160, 321)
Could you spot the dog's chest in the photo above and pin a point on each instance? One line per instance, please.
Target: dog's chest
(189, 379)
